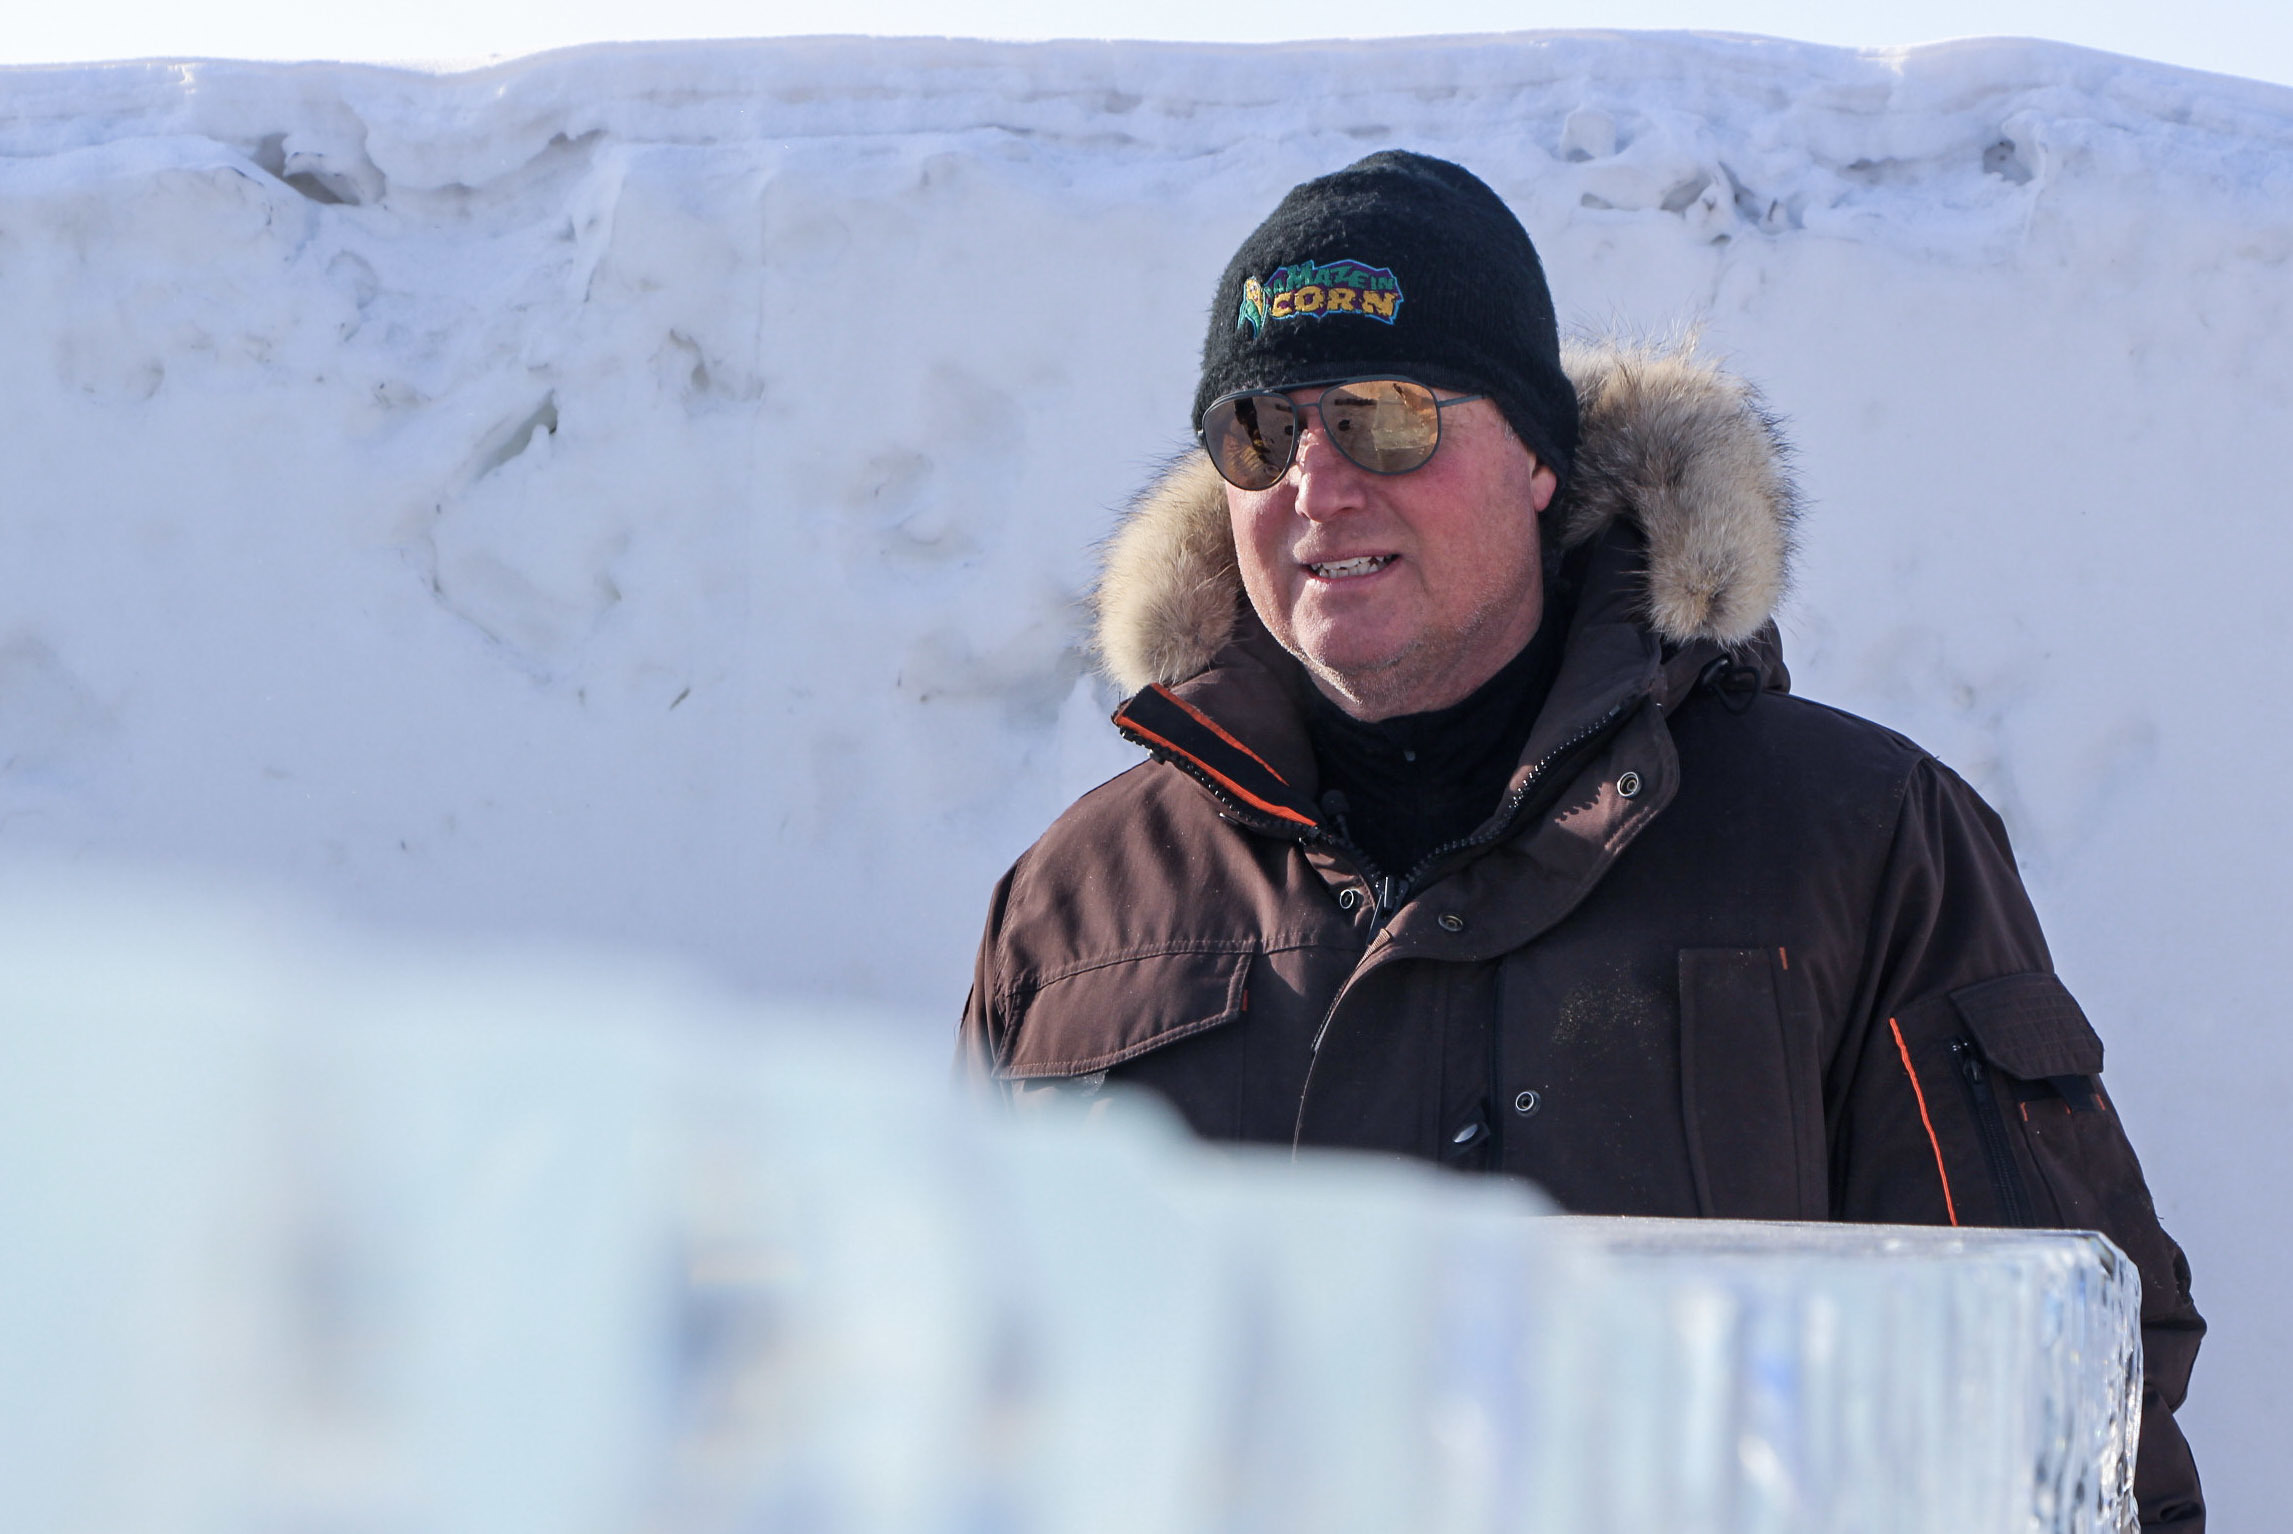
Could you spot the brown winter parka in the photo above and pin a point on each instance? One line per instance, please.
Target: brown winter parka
(1720, 951)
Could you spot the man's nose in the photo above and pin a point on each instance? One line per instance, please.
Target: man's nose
(1325, 480)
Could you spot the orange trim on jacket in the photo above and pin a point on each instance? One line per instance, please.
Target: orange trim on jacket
(1232, 787)
(1219, 730)
(1950, 1207)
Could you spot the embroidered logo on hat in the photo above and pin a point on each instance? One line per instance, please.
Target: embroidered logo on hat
(1313, 289)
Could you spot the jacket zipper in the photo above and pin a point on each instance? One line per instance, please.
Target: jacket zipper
(1990, 1128)
(1511, 809)
(1391, 898)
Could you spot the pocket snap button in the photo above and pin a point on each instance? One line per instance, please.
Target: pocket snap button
(1527, 1103)
(1451, 922)
(1628, 785)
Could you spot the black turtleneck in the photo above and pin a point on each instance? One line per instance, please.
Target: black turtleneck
(1407, 785)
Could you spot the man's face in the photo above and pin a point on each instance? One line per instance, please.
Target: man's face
(1403, 592)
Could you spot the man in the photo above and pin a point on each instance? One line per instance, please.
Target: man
(1482, 825)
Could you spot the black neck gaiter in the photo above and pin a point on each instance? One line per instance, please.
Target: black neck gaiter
(1408, 785)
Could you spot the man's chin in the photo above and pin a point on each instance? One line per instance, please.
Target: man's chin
(1367, 687)
(1353, 650)
(1353, 669)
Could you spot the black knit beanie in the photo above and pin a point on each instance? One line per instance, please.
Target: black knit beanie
(1398, 265)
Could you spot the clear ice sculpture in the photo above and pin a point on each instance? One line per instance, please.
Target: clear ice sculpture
(306, 1237)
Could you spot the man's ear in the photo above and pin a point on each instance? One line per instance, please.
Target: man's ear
(1544, 484)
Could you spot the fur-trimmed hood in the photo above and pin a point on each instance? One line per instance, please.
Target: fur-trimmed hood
(1681, 448)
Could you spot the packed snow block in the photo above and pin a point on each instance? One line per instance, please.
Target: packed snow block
(304, 1234)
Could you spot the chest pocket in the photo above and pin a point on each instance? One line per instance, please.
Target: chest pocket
(2010, 1072)
(1086, 1020)
(1749, 1089)
(2031, 1065)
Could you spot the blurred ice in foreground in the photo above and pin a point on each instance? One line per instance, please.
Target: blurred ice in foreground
(303, 1237)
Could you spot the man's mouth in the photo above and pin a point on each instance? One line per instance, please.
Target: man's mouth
(1346, 569)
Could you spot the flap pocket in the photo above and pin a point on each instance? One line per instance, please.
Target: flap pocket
(1106, 1013)
(2030, 1026)
(1748, 1087)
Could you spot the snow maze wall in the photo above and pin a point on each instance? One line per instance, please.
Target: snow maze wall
(639, 497)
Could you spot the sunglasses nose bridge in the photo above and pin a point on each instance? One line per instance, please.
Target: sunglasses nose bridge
(1312, 432)
(1315, 440)
(1333, 441)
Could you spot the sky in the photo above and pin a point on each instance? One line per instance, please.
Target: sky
(2243, 37)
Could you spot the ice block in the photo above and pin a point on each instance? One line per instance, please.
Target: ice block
(1747, 1375)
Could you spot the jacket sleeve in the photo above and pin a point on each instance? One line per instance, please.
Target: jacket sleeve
(1966, 1089)
(980, 1037)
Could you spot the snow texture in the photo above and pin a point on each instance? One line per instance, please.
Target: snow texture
(641, 495)
(315, 1235)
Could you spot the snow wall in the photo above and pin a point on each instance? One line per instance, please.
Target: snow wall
(640, 496)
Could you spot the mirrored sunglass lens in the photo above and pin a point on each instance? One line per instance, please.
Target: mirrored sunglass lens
(1387, 425)
(1250, 438)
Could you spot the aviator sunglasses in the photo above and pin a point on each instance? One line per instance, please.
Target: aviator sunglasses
(1384, 425)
